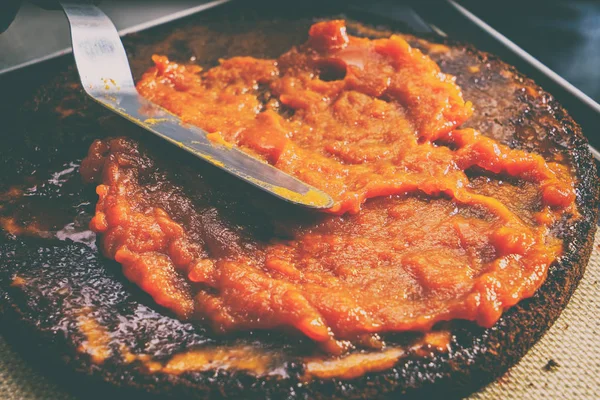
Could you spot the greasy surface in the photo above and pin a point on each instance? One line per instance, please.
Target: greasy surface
(572, 342)
(459, 228)
(44, 204)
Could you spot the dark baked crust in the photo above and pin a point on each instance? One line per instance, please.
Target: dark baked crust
(62, 278)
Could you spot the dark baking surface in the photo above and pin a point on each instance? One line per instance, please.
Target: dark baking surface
(44, 139)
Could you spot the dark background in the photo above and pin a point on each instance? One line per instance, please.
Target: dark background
(564, 35)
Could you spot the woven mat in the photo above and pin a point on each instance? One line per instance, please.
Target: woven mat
(565, 364)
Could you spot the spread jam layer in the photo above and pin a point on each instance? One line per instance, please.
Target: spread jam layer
(457, 225)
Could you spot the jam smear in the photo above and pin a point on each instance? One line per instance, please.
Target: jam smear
(360, 119)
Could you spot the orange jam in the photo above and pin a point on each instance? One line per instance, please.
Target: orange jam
(457, 225)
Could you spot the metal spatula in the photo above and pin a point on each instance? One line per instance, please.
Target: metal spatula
(105, 75)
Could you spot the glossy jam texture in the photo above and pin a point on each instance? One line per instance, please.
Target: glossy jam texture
(342, 113)
(457, 225)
